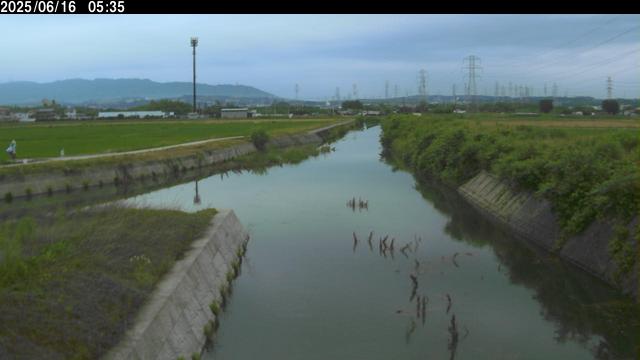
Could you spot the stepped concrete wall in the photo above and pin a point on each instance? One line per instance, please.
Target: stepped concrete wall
(171, 324)
(532, 218)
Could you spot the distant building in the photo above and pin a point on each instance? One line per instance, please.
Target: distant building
(44, 114)
(24, 117)
(458, 111)
(133, 114)
(237, 113)
(71, 114)
(371, 113)
(5, 114)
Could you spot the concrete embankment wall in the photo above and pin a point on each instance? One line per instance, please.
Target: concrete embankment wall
(127, 172)
(171, 324)
(532, 218)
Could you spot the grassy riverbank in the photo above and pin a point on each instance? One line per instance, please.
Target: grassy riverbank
(586, 172)
(46, 139)
(72, 282)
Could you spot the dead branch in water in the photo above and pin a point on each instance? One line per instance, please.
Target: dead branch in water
(453, 259)
(448, 303)
(453, 340)
(424, 308)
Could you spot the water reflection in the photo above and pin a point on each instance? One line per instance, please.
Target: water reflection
(315, 291)
(580, 305)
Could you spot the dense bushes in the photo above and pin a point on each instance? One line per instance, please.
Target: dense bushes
(585, 173)
(259, 138)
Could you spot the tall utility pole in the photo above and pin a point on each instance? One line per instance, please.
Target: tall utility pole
(386, 89)
(609, 87)
(194, 44)
(471, 64)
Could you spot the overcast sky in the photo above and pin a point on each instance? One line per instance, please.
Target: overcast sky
(322, 52)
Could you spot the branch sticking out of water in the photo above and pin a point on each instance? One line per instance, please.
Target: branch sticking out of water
(453, 340)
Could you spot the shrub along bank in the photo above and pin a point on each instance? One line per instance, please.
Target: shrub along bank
(586, 173)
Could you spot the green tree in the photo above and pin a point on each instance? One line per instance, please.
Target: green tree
(611, 106)
(546, 105)
(352, 105)
(175, 106)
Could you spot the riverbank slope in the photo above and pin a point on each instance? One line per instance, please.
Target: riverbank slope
(572, 191)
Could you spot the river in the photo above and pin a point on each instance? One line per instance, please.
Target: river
(306, 292)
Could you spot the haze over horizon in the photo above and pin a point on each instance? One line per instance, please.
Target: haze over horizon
(322, 52)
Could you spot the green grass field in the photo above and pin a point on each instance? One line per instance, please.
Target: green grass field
(79, 138)
(71, 281)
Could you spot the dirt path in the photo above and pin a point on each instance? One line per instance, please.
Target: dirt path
(93, 156)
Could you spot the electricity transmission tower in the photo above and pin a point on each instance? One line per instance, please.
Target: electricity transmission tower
(472, 64)
(422, 85)
(609, 87)
(355, 91)
(386, 89)
(554, 90)
(297, 89)
(338, 94)
(395, 91)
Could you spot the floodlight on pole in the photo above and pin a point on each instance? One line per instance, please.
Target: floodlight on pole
(194, 44)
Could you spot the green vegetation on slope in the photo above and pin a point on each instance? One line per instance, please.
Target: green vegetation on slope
(586, 173)
(71, 283)
(93, 137)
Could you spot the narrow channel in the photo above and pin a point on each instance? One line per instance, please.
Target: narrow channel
(306, 292)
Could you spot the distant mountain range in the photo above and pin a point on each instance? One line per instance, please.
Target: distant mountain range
(80, 91)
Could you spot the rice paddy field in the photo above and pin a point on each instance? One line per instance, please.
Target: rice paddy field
(46, 139)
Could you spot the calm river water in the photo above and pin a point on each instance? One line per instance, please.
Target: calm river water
(305, 292)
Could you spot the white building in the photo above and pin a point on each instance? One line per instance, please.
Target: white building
(24, 117)
(136, 114)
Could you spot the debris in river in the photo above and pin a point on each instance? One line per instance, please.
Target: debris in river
(404, 249)
(360, 204)
(448, 303)
(410, 329)
(369, 240)
(414, 288)
(466, 333)
(453, 259)
(453, 340)
(425, 299)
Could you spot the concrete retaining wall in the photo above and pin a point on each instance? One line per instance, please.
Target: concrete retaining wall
(128, 172)
(532, 218)
(171, 324)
